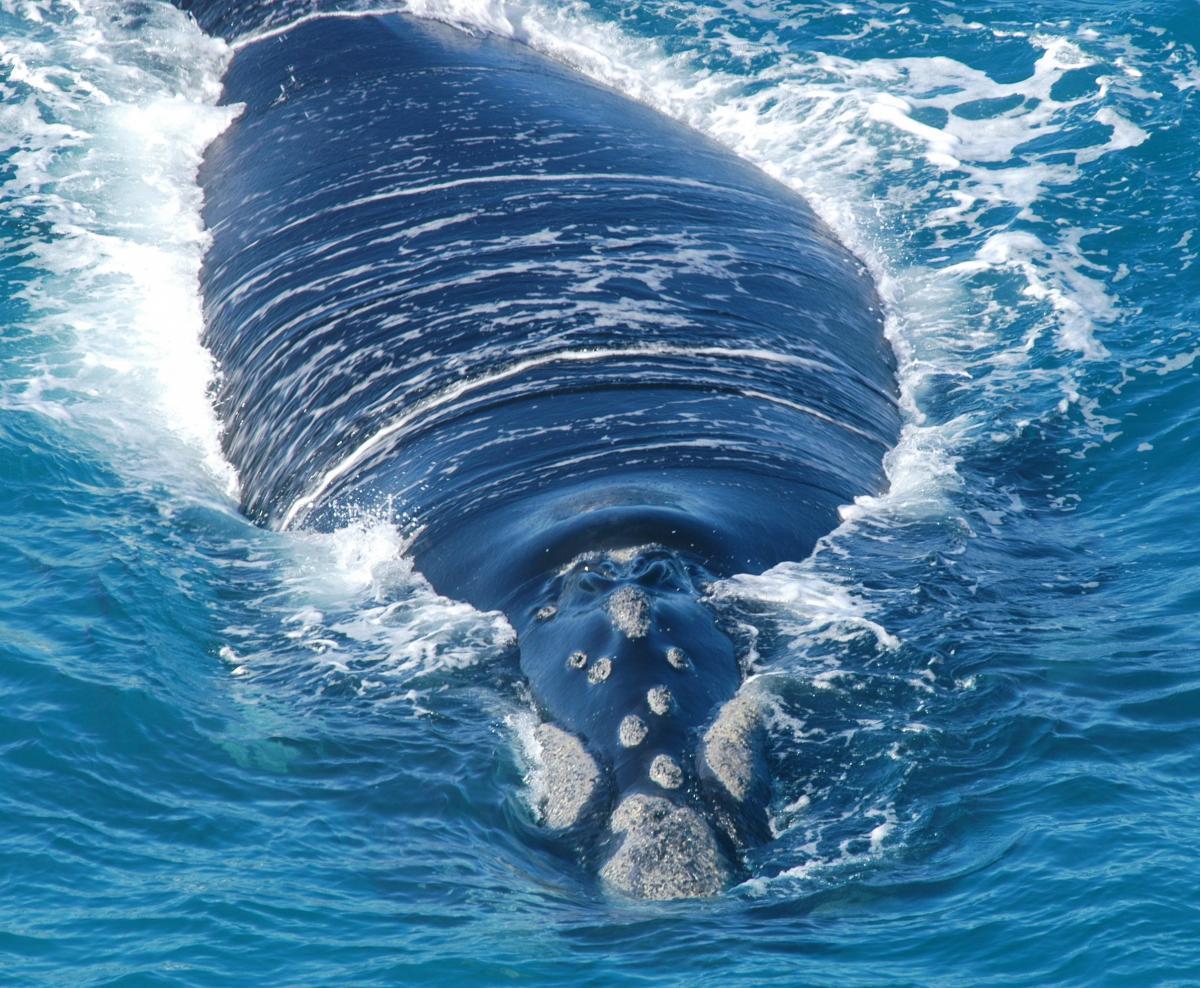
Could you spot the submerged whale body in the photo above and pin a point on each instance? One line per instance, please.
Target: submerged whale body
(592, 361)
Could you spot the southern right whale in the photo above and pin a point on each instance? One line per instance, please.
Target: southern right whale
(589, 359)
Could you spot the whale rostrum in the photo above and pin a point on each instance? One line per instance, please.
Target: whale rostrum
(591, 361)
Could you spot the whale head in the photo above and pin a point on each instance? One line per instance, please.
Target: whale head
(629, 665)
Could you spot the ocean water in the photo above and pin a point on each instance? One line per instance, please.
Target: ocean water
(231, 755)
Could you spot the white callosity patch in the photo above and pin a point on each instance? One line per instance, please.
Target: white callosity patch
(571, 776)
(658, 699)
(632, 731)
(677, 659)
(667, 851)
(731, 744)
(630, 612)
(599, 671)
(665, 772)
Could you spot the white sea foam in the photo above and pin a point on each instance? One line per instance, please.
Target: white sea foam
(357, 596)
(818, 608)
(104, 124)
(523, 725)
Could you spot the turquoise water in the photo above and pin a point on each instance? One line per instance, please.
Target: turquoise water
(237, 756)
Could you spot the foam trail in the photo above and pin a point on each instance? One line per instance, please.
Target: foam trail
(103, 153)
(382, 606)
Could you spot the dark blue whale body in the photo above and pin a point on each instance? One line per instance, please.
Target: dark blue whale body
(588, 358)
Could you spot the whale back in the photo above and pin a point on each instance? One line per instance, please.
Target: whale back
(454, 281)
(587, 357)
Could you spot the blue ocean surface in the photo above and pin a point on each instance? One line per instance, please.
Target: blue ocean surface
(235, 755)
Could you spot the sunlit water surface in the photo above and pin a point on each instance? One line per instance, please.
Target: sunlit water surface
(229, 755)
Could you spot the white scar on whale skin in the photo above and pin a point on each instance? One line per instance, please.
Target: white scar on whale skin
(466, 386)
(282, 29)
